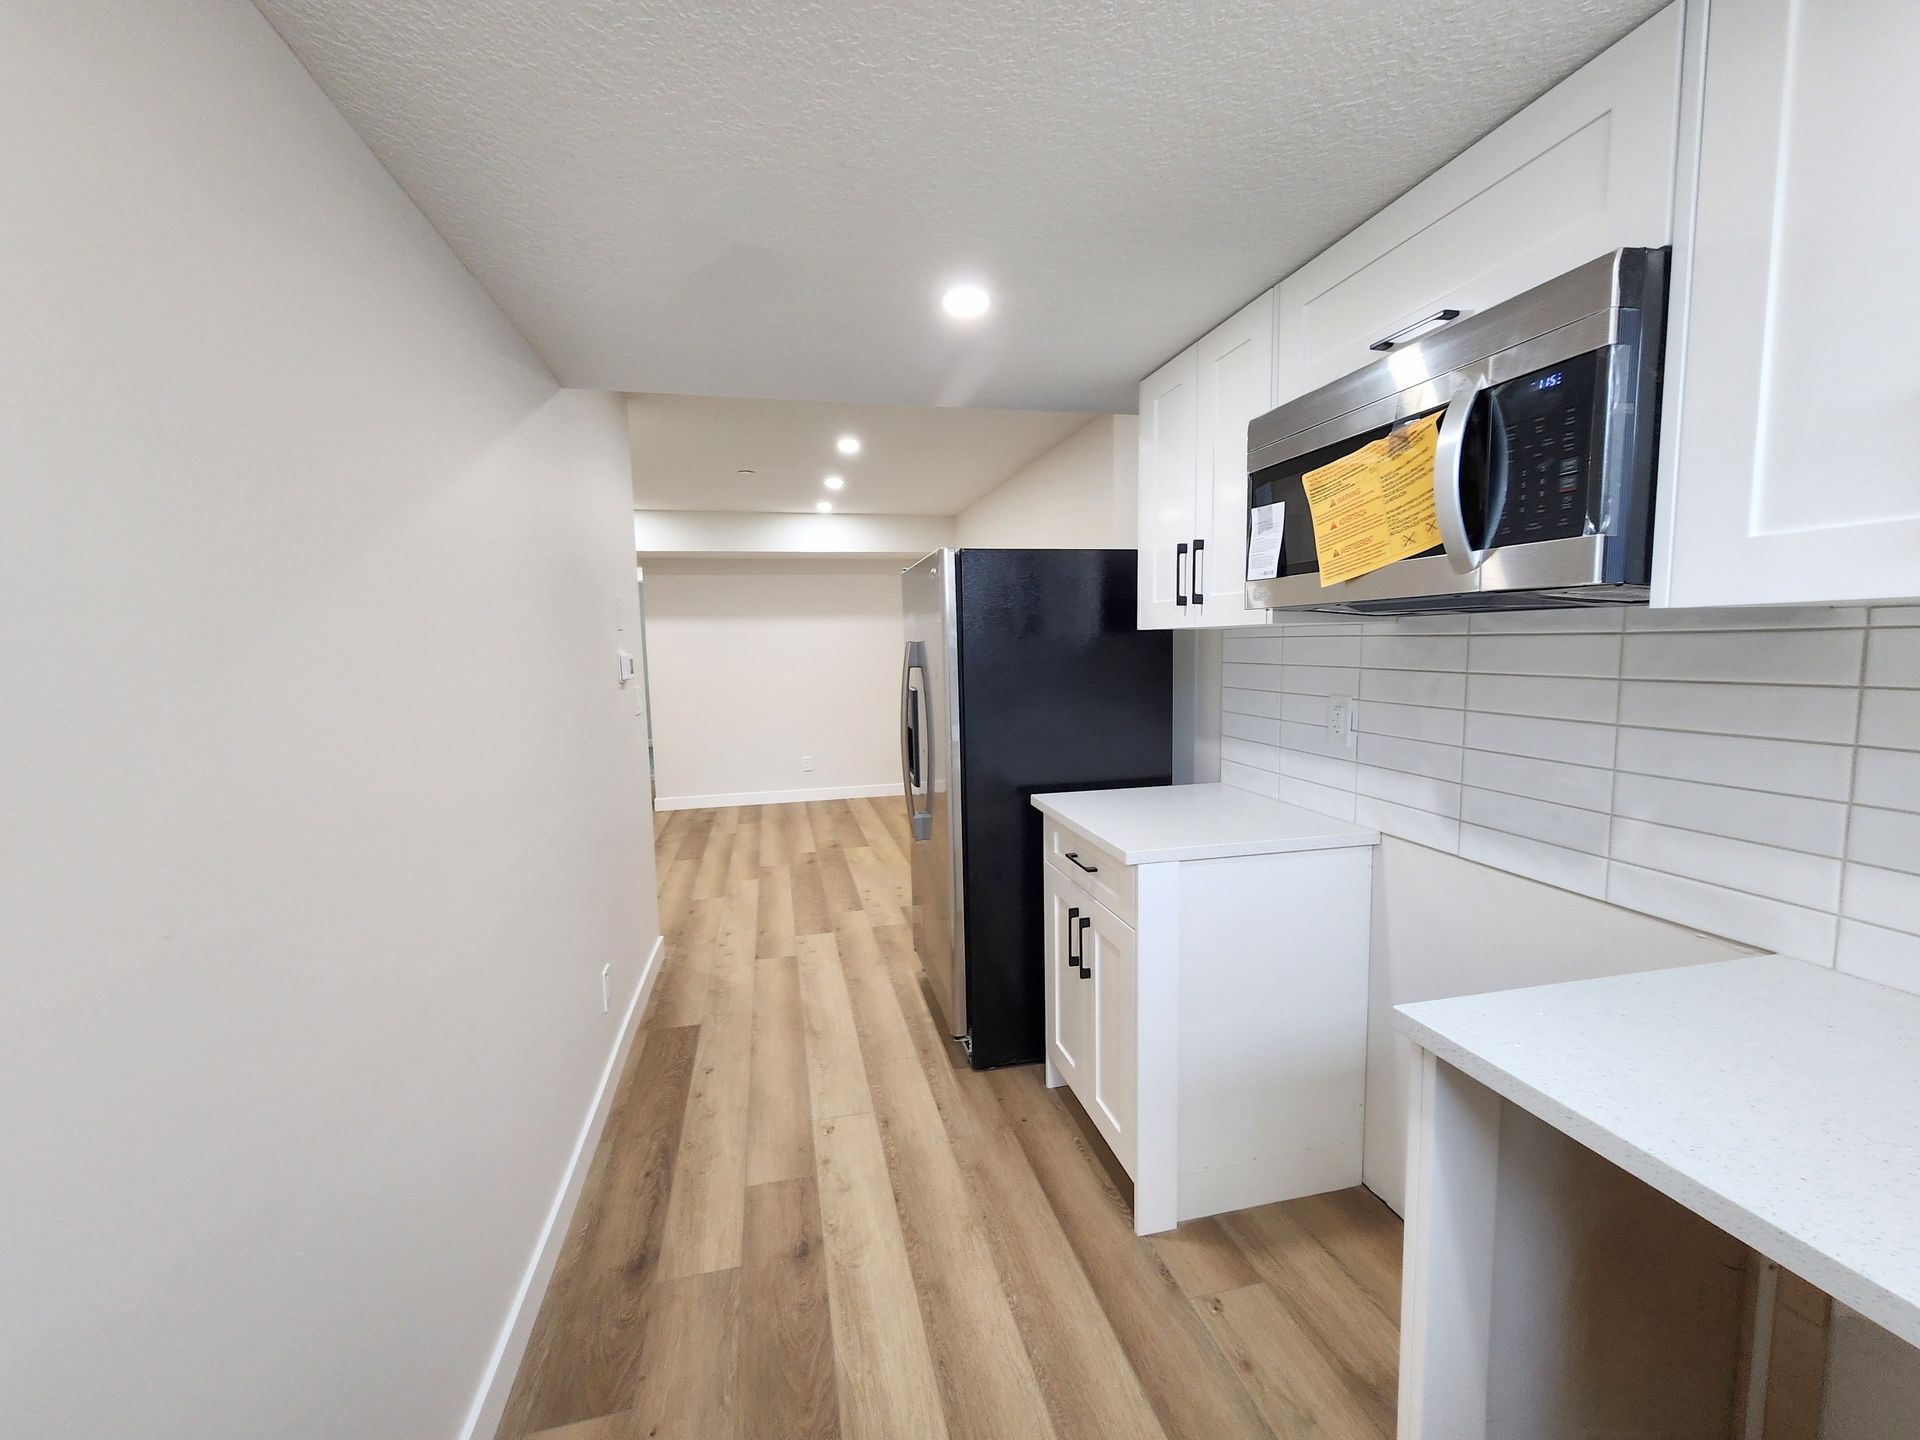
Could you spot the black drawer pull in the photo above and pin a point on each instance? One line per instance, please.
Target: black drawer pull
(1072, 915)
(1090, 869)
(1086, 970)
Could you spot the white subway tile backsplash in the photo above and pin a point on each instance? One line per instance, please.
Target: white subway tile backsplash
(1245, 752)
(1574, 741)
(1304, 709)
(1754, 919)
(1412, 722)
(1759, 657)
(1792, 822)
(1887, 838)
(1885, 956)
(1782, 712)
(1260, 782)
(1414, 687)
(1417, 625)
(1251, 649)
(1893, 657)
(1261, 729)
(1548, 696)
(1438, 832)
(1250, 677)
(1888, 777)
(1252, 702)
(1595, 655)
(1810, 880)
(1545, 622)
(1417, 792)
(1889, 898)
(1887, 718)
(1584, 786)
(1318, 680)
(1312, 739)
(1413, 652)
(1700, 766)
(1416, 757)
(1323, 650)
(1749, 617)
(1323, 798)
(1791, 767)
(1563, 825)
(1553, 865)
(1320, 769)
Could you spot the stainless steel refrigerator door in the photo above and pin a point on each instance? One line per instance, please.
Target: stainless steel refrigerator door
(930, 775)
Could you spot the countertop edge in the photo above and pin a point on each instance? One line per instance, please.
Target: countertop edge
(1838, 1279)
(1351, 837)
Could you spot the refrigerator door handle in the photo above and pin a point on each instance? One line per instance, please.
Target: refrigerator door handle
(912, 752)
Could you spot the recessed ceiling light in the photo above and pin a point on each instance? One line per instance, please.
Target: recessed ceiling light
(848, 444)
(825, 507)
(966, 302)
(834, 482)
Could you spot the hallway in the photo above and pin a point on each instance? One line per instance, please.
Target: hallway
(808, 1218)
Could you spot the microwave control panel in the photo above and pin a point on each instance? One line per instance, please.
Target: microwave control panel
(1548, 422)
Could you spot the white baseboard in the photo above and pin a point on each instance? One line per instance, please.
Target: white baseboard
(490, 1402)
(776, 797)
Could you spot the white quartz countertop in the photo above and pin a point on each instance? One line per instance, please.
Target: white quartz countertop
(1155, 823)
(1777, 1099)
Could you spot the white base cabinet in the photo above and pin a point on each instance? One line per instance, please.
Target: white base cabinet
(1209, 1015)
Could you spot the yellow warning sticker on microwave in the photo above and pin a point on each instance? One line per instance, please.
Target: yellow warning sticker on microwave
(1375, 506)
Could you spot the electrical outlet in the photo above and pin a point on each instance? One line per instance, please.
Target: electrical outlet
(806, 762)
(1340, 721)
(606, 987)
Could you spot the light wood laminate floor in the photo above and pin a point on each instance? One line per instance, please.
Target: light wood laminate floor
(808, 1218)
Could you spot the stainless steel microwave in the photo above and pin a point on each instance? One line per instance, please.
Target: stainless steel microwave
(1544, 466)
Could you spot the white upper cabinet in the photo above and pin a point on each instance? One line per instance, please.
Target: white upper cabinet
(1586, 168)
(1793, 382)
(1169, 470)
(1236, 388)
(1194, 413)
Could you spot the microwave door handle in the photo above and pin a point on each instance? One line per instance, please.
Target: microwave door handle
(1449, 454)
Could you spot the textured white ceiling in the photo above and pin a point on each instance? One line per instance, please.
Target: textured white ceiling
(913, 460)
(764, 197)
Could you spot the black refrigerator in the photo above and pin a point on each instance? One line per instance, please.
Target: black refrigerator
(1023, 673)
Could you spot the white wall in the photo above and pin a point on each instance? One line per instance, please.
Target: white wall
(322, 810)
(1750, 774)
(753, 664)
(1079, 495)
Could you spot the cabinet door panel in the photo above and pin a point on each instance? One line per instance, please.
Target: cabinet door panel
(1069, 1002)
(1113, 955)
(1586, 168)
(1236, 387)
(1798, 386)
(1169, 464)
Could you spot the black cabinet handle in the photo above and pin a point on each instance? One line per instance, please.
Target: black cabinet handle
(1179, 582)
(1198, 546)
(1072, 915)
(1086, 970)
(1074, 856)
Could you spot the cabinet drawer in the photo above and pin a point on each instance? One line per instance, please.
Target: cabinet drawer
(1097, 870)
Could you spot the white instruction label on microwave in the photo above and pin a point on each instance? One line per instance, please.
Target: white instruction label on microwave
(1263, 543)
